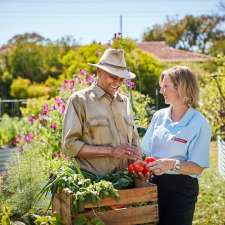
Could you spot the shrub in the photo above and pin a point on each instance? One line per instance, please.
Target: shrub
(19, 88)
(27, 174)
(9, 127)
(213, 98)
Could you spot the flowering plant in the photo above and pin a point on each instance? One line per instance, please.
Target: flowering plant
(44, 117)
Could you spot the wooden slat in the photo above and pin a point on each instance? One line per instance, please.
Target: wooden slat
(128, 216)
(129, 196)
(56, 205)
(66, 214)
(62, 204)
(65, 194)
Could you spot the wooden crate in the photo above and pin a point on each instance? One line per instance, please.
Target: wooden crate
(128, 215)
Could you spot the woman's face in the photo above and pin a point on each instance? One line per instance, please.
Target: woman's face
(169, 91)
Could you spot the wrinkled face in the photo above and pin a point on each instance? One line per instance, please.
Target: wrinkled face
(169, 91)
(108, 82)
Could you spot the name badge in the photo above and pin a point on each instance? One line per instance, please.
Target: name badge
(181, 140)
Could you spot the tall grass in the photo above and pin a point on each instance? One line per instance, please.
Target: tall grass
(210, 208)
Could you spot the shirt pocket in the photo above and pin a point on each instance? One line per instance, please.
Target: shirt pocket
(130, 127)
(100, 131)
(179, 145)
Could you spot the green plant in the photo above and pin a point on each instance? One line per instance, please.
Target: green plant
(82, 220)
(9, 127)
(84, 190)
(48, 220)
(27, 173)
(211, 204)
(5, 216)
(213, 98)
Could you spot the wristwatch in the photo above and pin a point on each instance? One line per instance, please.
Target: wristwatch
(177, 165)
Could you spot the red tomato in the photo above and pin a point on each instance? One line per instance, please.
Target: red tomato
(131, 168)
(138, 167)
(145, 171)
(149, 159)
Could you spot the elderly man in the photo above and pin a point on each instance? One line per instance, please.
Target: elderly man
(98, 127)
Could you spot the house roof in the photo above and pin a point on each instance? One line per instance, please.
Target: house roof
(5, 49)
(165, 53)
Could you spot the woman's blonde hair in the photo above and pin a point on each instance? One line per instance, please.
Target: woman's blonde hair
(185, 82)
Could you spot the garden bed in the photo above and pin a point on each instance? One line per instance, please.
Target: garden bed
(135, 206)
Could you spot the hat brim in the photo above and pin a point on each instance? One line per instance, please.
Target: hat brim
(123, 73)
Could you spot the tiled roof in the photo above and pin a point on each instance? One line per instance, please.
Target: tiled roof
(5, 49)
(165, 53)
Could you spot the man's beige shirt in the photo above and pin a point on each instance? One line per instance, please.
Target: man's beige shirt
(92, 118)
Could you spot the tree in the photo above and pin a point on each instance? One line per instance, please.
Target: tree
(213, 97)
(218, 46)
(26, 38)
(26, 61)
(78, 59)
(35, 62)
(190, 33)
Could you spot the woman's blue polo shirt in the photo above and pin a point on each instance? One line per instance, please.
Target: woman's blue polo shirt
(187, 139)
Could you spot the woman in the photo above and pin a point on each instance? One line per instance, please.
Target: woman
(179, 138)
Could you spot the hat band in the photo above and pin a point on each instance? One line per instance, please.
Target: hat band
(111, 65)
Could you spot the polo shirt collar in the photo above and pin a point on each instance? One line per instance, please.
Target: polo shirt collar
(99, 92)
(185, 119)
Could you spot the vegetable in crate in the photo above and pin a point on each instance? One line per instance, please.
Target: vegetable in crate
(85, 190)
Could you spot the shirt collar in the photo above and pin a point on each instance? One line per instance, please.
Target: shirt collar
(99, 92)
(185, 119)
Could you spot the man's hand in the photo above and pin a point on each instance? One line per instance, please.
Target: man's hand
(126, 151)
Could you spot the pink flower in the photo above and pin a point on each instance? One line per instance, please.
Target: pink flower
(83, 72)
(71, 84)
(16, 140)
(54, 107)
(66, 82)
(45, 109)
(58, 100)
(68, 85)
(31, 119)
(53, 126)
(62, 108)
(90, 79)
(130, 84)
(29, 137)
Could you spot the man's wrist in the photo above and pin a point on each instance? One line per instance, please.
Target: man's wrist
(110, 151)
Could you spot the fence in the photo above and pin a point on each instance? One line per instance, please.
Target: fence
(11, 106)
(221, 156)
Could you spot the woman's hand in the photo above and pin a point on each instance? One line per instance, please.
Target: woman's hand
(138, 168)
(161, 166)
(126, 151)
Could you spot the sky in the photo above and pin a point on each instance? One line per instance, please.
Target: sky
(89, 20)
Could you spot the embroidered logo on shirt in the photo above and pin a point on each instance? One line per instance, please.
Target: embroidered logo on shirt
(180, 140)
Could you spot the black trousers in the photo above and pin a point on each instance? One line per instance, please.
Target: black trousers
(177, 195)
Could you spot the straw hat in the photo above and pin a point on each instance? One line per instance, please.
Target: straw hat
(113, 62)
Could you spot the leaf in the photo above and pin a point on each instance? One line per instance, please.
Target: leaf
(81, 220)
